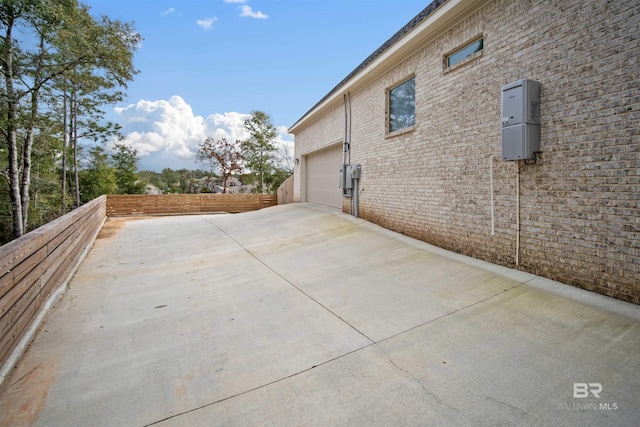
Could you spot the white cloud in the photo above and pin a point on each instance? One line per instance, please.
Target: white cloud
(167, 133)
(249, 13)
(168, 11)
(228, 125)
(162, 127)
(207, 23)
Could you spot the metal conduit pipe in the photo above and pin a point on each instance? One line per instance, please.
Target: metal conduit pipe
(345, 142)
(353, 190)
(356, 198)
(517, 163)
(493, 208)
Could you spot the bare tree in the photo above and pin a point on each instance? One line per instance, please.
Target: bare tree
(285, 154)
(222, 155)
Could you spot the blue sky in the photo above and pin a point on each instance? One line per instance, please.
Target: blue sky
(205, 64)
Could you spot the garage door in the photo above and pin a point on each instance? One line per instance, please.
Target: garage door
(322, 177)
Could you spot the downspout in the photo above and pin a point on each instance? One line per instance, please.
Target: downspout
(345, 151)
(350, 124)
(355, 198)
(493, 207)
(345, 143)
(517, 163)
(350, 189)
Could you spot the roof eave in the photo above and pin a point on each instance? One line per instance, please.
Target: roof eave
(431, 22)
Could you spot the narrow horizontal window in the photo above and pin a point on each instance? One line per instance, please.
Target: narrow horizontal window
(464, 52)
(402, 105)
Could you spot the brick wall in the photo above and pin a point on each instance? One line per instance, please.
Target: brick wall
(579, 204)
(326, 131)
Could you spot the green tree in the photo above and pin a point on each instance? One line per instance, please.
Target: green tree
(171, 180)
(259, 149)
(40, 41)
(276, 178)
(45, 202)
(85, 93)
(99, 177)
(125, 163)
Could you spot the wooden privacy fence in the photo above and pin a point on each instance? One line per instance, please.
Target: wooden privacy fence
(285, 191)
(35, 268)
(37, 265)
(180, 204)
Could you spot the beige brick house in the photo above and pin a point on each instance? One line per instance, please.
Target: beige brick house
(422, 117)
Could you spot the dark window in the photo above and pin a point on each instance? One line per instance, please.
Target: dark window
(402, 105)
(464, 52)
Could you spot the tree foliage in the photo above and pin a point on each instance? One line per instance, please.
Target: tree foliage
(125, 165)
(181, 181)
(261, 154)
(221, 155)
(99, 177)
(259, 149)
(54, 53)
(59, 67)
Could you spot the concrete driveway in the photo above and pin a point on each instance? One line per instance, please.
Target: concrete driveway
(302, 315)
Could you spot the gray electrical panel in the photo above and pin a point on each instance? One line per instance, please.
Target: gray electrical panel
(346, 182)
(520, 120)
(348, 174)
(355, 171)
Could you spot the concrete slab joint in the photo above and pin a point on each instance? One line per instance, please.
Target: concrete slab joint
(331, 320)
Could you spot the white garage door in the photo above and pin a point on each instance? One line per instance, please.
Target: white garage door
(322, 178)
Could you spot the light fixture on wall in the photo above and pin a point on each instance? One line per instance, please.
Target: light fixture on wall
(297, 161)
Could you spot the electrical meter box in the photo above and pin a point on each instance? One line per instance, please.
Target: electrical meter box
(346, 182)
(355, 171)
(520, 120)
(347, 174)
